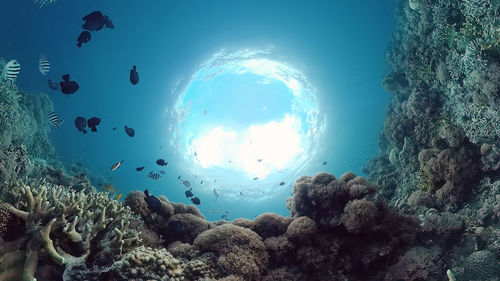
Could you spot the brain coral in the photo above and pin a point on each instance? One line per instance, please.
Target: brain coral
(240, 250)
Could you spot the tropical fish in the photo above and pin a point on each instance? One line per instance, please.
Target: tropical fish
(162, 172)
(282, 183)
(256, 178)
(109, 187)
(201, 182)
(324, 163)
(224, 216)
(161, 162)
(259, 160)
(186, 183)
(196, 200)
(114, 128)
(53, 85)
(138, 169)
(130, 132)
(43, 2)
(84, 37)
(154, 176)
(179, 177)
(118, 196)
(81, 124)
(43, 65)
(95, 21)
(134, 75)
(11, 71)
(154, 203)
(189, 193)
(205, 112)
(54, 120)
(216, 194)
(116, 165)
(68, 87)
(93, 123)
(241, 193)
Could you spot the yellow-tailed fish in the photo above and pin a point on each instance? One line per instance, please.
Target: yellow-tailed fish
(109, 187)
(118, 196)
(116, 165)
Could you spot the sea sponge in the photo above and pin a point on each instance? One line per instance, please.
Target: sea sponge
(301, 229)
(246, 223)
(359, 216)
(136, 201)
(185, 227)
(270, 224)
(240, 250)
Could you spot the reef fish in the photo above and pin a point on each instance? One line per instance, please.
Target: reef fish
(162, 172)
(189, 193)
(216, 194)
(154, 176)
(81, 124)
(54, 120)
(134, 75)
(11, 71)
(138, 169)
(324, 163)
(43, 65)
(84, 37)
(116, 165)
(118, 196)
(130, 132)
(68, 87)
(109, 187)
(161, 162)
(224, 216)
(53, 85)
(256, 178)
(93, 123)
(95, 21)
(154, 203)
(196, 200)
(282, 183)
(186, 183)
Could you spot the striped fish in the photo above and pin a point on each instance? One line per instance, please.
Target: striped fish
(43, 65)
(54, 120)
(11, 71)
(154, 176)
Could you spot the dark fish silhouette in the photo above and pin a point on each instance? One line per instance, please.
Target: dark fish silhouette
(83, 38)
(93, 123)
(162, 172)
(189, 193)
(114, 128)
(179, 177)
(53, 85)
(95, 21)
(324, 163)
(196, 200)
(138, 169)
(161, 162)
(256, 178)
(68, 87)
(154, 176)
(259, 160)
(282, 183)
(201, 182)
(81, 124)
(154, 203)
(130, 132)
(134, 75)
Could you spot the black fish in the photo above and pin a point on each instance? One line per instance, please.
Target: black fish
(154, 203)
(179, 177)
(161, 162)
(189, 193)
(154, 176)
(93, 122)
(162, 172)
(196, 201)
(260, 160)
(114, 128)
(130, 132)
(139, 169)
(53, 85)
(201, 182)
(96, 21)
(241, 193)
(134, 75)
(282, 183)
(68, 87)
(81, 124)
(324, 163)
(256, 178)
(83, 38)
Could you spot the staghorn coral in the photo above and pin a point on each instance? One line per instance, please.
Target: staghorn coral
(240, 251)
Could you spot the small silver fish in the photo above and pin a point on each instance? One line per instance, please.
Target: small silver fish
(43, 65)
(116, 165)
(11, 71)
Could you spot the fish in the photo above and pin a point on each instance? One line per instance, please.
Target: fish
(95, 21)
(43, 65)
(134, 75)
(154, 176)
(256, 178)
(130, 132)
(241, 193)
(43, 2)
(161, 162)
(162, 172)
(138, 169)
(84, 37)
(324, 163)
(93, 123)
(205, 112)
(224, 216)
(68, 87)
(259, 160)
(179, 177)
(186, 183)
(282, 183)
(116, 165)
(216, 194)
(81, 124)
(227, 212)
(109, 187)
(201, 182)
(154, 203)
(189, 193)
(53, 85)
(54, 120)
(114, 128)
(118, 196)
(11, 71)
(196, 200)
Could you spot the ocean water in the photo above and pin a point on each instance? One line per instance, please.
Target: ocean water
(247, 63)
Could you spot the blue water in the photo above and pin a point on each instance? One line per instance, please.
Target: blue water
(338, 46)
